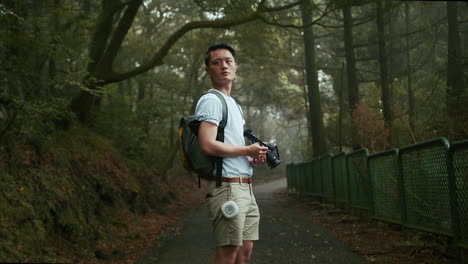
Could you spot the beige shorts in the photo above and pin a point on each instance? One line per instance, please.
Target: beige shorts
(244, 226)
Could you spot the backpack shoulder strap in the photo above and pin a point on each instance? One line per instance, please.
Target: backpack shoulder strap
(223, 122)
(220, 137)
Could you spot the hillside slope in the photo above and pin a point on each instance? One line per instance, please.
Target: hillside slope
(74, 198)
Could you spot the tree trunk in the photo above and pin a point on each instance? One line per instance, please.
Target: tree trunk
(392, 72)
(319, 140)
(12, 83)
(306, 100)
(341, 105)
(139, 108)
(384, 82)
(409, 76)
(169, 162)
(456, 96)
(54, 29)
(141, 93)
(85, 104)
(104, 46)
(352, 83)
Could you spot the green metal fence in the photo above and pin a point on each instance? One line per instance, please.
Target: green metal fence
(458, 166)
(340, 177)
(422, 186)
(359, 181)
(386, 181)
(425, 178)
(316, 179)
(326, 170)
(301, 185)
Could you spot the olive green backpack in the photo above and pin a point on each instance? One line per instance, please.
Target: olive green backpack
(192, 157)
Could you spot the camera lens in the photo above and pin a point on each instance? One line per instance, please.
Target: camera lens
(272, 160)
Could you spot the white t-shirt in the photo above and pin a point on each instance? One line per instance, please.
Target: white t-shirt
(209, 108)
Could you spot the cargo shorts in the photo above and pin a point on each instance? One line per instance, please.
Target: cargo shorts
(244, 226)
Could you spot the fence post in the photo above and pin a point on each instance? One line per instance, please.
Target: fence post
(404, 216)
(333, 180)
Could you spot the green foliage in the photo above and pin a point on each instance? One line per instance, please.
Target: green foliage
(5, 12)
(33, 123)
(38, 119)
(64, 196)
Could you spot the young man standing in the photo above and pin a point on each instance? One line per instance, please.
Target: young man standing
(234, 236)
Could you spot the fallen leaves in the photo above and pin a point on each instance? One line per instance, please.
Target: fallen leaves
(145, 230)
(378, 242)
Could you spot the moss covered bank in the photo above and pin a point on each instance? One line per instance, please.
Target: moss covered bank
(61, 198)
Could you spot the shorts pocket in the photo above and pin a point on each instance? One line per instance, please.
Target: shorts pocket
(214, 199)
(241, 196)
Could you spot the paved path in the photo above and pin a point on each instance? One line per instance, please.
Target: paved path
(286, 237)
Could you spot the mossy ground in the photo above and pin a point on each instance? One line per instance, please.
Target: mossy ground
(73, 198)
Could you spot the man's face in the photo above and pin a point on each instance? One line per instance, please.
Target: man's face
(222, 66)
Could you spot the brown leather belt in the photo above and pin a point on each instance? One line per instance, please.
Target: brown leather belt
(237, 179)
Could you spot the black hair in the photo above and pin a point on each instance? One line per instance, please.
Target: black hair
(217, 46)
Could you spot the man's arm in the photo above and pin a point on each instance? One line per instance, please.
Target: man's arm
(207, 139)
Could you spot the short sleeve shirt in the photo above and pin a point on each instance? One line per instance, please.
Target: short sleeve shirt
(209, 108)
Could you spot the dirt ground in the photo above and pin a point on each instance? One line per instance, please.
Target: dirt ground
(377, 241)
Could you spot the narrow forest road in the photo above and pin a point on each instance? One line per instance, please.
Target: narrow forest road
(286, 237)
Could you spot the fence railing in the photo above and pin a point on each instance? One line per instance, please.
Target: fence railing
(422, 186)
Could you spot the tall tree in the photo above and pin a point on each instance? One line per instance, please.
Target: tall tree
(384, 80)
(352, 83)
(409, 84)
(455, 94)
(319, 141)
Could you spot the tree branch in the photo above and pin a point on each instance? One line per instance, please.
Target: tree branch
(314, 22)
(264, 9)
(354, 25)
(102, 32)
(105, 65)
(157, 59)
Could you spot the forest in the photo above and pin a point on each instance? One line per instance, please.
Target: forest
(92, 91)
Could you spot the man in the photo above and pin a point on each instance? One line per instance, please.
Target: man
(234, 236)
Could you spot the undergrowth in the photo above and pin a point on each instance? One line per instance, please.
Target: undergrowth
(63, 188)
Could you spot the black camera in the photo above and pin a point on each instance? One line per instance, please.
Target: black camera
(273, 159)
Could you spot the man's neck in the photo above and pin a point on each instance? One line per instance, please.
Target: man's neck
(225, 89)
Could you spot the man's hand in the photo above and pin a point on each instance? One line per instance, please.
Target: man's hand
(255, 162)
(257, 154)
(210, 146)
